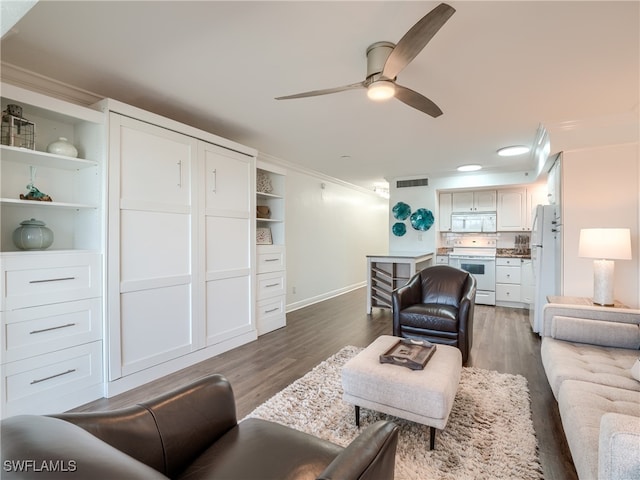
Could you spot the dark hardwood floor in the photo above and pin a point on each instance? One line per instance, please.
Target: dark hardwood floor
(503, 341)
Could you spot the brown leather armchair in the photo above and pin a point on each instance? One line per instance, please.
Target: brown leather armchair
(437, 305)
(190, 433)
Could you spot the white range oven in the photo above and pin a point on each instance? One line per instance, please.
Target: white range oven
(481, 263)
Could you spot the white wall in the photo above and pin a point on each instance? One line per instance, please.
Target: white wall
(601, 189)
(329, 232)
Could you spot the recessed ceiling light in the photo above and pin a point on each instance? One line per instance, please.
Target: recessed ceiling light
(469, 168)
(513, 150)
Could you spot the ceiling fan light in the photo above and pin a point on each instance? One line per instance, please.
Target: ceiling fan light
(513, 150)
(381, 90)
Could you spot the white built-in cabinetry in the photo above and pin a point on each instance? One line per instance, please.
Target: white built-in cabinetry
(227, 223)
(181, 246)
(51, 300)
(270, 258)
(152, 253)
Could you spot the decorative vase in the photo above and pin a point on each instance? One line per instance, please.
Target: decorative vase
(32, 235)
(62, 147)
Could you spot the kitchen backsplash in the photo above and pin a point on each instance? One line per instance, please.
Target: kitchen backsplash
(505, 240)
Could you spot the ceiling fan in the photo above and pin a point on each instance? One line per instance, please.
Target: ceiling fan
(386, 60)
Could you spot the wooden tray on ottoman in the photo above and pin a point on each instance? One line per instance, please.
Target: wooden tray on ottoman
(413, 354)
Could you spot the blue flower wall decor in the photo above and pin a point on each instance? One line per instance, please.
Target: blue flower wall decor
(399, 229)
(422, 219)
(401, 211)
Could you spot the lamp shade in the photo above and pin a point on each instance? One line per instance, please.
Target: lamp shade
(605, 243)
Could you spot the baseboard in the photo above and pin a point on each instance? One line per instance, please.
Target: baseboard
(325, 296)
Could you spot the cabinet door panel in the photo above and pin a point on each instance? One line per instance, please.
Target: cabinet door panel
(155, 326)
(228, 308)
(228, 244)
(154, 244)
(155, 163)
(227, 180)
(511, 210)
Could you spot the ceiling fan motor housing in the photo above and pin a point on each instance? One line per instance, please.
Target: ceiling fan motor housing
(377, 55)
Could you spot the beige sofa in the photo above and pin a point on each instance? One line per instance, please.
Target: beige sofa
(588, 353)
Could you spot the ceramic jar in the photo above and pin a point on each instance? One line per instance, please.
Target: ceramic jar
(62, 147)
(32, 235)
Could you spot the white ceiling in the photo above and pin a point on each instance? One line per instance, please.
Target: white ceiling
(496, 69)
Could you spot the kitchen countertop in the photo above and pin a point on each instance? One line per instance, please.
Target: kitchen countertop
(512, 253)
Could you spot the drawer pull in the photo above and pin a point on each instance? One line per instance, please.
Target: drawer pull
(53, 376)
(271, 259)
(272, 285)
(271, 310)
(52, 280)
(51, 328)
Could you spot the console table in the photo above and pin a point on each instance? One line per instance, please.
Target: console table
(385, 273)
(564, 300)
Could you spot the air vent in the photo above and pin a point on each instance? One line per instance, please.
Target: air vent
(419, 182)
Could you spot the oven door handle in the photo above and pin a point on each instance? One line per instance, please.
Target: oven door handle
(484, 259)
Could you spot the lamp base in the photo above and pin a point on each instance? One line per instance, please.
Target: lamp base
(603, 282)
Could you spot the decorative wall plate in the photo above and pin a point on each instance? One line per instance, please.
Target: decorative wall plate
(399, 229)
(422, 219)
(401, 211)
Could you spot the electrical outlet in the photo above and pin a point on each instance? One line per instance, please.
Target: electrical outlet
(293, 290)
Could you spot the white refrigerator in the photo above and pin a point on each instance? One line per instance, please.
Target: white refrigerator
(546, 235)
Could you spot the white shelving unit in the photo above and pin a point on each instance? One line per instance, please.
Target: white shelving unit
(270, 258)
(51, 303)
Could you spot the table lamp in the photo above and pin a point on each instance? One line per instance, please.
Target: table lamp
(604, 245)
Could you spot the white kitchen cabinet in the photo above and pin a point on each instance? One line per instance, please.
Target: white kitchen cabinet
(445, 207)
(512, 210)
(508, 282)
(227, 222)
(474, 201)
(270, 258)
(51, 300)
(527, 282)
(442, 259)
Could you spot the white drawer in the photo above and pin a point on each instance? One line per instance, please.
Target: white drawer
(31, 280)
(508, 262)
(37, 383)
(507, 293)
(36, 330)
(508, 274)
(270, 259)
(442, 259)
(270, 314)
(270, 285)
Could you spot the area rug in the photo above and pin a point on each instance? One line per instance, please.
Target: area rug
(489, 434)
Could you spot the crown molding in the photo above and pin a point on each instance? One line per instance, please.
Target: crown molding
(29, 80)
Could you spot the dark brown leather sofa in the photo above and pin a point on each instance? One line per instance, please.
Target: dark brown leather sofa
(437, 305)
(190, 433)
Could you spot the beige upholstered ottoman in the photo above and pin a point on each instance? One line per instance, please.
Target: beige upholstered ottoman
(423, 396)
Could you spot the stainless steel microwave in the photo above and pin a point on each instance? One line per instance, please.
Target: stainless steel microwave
(473, 222)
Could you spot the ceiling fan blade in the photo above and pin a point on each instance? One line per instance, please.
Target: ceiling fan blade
(416, 39)
(326, 91)
(417, 101)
